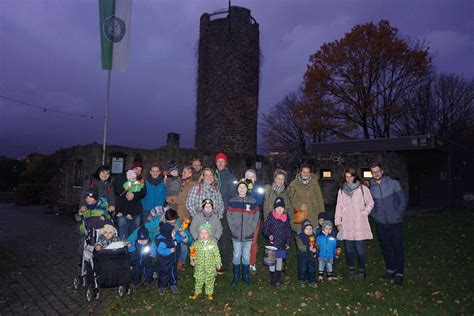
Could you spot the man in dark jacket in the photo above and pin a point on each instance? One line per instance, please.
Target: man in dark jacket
(129, 209)
(226, 183)
(390, 204)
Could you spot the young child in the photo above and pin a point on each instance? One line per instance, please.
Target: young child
(277, 230)
(183, 236)
(94, 207)
(132, 184)
(242, 215)
(206, 261)
(141, 252)
(173, 182)
(207, 216)
(319, 228)
(108, 235)
(306, 243)
(326, 244)
(168, 254)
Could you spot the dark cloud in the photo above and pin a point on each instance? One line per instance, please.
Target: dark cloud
(50, 56)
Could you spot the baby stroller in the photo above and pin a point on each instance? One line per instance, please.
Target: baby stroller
(104, 269)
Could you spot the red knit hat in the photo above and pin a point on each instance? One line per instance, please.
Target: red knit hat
(137, 164)
(221, 156)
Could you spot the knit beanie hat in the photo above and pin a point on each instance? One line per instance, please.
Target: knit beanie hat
(109, 228)
(206, 226)
(93, 193)
(207, 201)
(137, 164)
(305, 224)
(279, 202)
(173, 166)
(143, 233)
(221, 156)
(242, 181)
(131, 175)
(322, 215)
(327, 223)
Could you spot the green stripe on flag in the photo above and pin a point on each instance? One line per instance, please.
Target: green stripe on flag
(106, 9)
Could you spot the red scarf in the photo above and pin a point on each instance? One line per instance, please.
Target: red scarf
(281, 217)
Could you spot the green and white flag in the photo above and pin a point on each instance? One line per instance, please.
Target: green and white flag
(115, 32)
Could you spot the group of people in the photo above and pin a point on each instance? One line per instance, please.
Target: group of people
(211, 219)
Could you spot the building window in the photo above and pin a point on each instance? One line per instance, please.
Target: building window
(78, 173)
(366, 174)
(325, 174)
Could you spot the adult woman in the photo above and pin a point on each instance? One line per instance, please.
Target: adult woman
(274, 191)
(180, 201)
(205, 189)
(101, 181)
(354, 203)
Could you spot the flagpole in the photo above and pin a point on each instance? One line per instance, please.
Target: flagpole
(106, 116)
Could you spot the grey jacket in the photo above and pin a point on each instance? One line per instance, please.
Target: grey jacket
(213, 219)
(390, 201)
(106, 190)
(242, 215)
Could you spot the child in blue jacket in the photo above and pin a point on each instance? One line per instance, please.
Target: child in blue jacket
(142, 251)
(326, 244)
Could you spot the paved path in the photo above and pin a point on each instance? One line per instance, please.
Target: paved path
(38, 256)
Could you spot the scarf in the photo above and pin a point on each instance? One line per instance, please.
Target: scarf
(278, 189)
(185, 180)
(154, 181)
(303, 180)
(281, 217)
(349, 188)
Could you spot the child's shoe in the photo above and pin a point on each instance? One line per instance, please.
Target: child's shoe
(195, 296)
(174, 289)
(314, 285)
(253, 269)
(330, 278)
(302, 284)
(320, 278)
(162, 291)
(209, 297)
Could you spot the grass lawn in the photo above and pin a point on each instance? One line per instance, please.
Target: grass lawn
(439, 280)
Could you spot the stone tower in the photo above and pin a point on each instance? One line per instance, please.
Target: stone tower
(228, 82)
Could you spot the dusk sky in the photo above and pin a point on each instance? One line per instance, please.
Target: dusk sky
(50, 56)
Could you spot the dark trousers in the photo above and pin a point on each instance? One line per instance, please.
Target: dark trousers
(225, 244)
(391, 241)
(355, 248)
(168, 273)
(142, 268)
(306, 268)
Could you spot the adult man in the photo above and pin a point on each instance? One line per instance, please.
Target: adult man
(197, 169)
(390, 204)
(226, 183)
(306, 198)
(155, 191)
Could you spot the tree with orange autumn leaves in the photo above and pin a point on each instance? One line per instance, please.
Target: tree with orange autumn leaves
(354, 86)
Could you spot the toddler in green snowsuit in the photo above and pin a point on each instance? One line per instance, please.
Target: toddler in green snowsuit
(206, 261)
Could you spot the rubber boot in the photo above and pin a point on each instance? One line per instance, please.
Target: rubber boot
(272, 279)
(236, 278)
(278, 277)
(245, 274)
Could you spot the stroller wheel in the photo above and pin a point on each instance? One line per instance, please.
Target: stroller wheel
(83, 282)
(97, 295)
(89, 294)
(121, 291)
(76, 283)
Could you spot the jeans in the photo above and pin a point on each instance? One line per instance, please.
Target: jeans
(325, 263)
(391, 241)
(127, 226)
(184, 253)
(241, 251)
(306, 268)
(358, 247)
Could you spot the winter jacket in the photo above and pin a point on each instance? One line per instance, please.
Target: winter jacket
(309, 194)
(106, 190)
(181, 199)
(155, 196)
(326, 245)
(95, 210)
(202, 218)
(124, 206)
(353, 213)
(270, 196)
(226, 183)
(173, 184)
(281, 231)
(200, 192)
(303, 244)
(242, 216)
(258, 193)
(390, 201)
(139, 255)
(153, 228)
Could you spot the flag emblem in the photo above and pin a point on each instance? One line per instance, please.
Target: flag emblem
(114, 29)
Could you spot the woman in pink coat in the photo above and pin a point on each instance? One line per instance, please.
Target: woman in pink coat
(354, 203)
